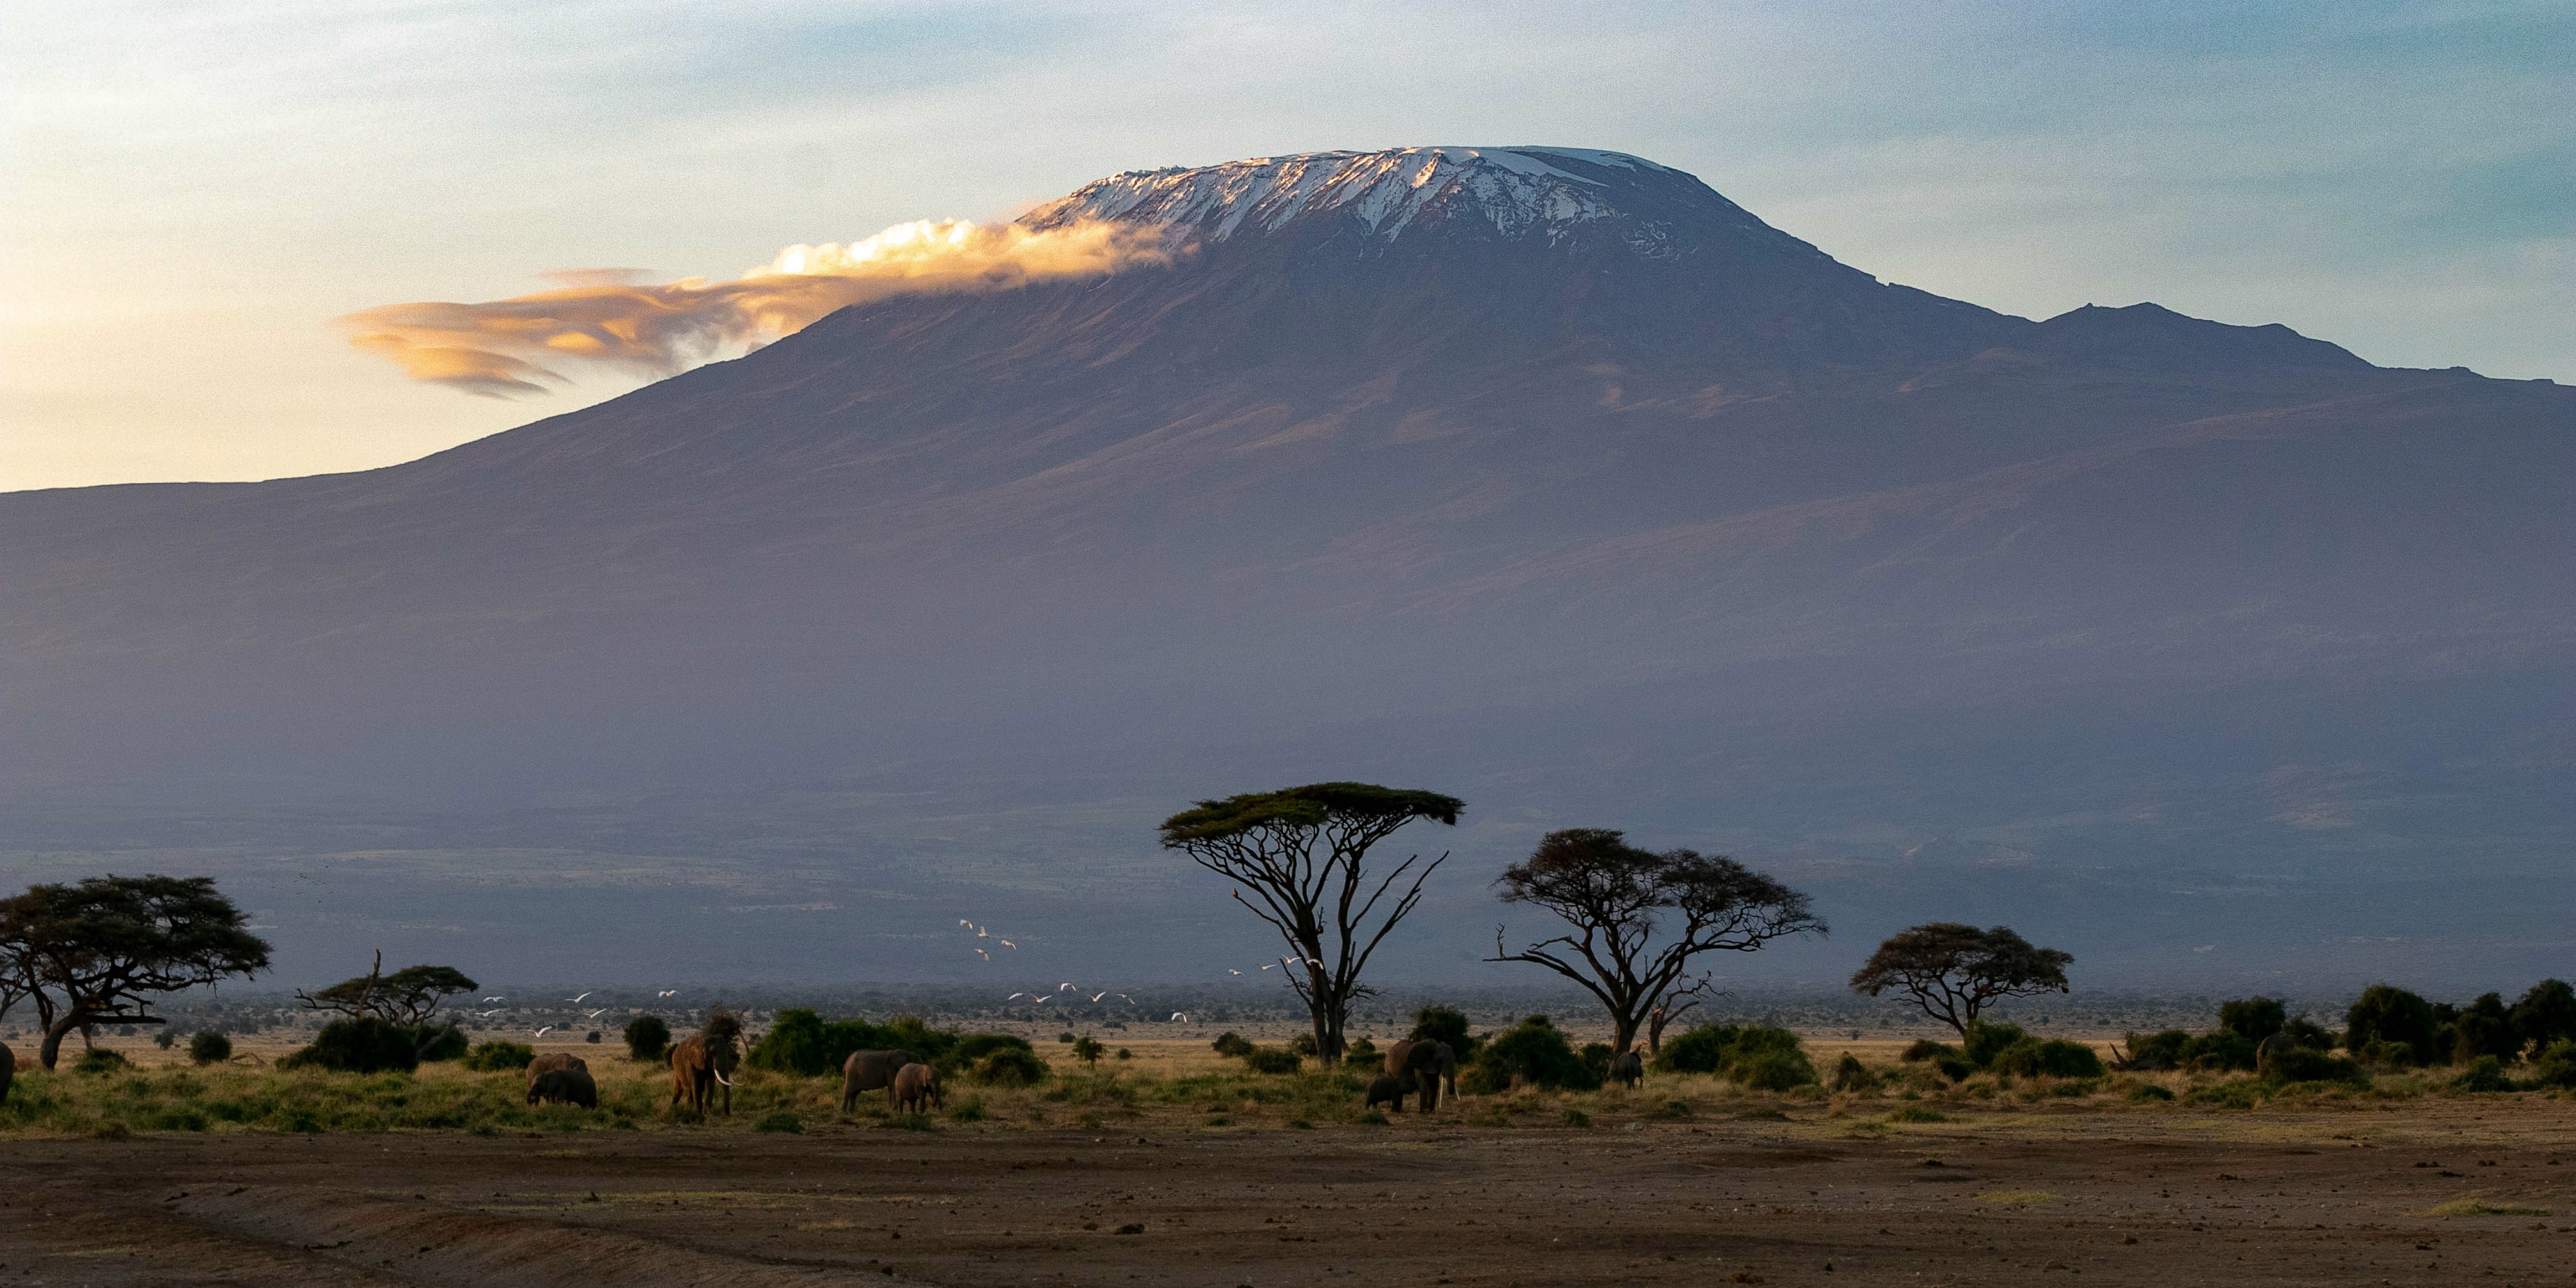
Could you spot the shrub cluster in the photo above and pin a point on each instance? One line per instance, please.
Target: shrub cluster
(1760, 1057)
(803, 1042)
(2007, 1049)
(367, 1044)
(489, 1056)
(1531, 1053)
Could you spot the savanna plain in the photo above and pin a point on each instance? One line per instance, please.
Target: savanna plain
(1174, 1165)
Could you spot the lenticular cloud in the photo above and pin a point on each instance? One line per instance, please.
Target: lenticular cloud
(523, 344)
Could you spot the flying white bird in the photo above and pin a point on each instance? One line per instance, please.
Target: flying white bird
(1097, 996)
(485, 1015)
(964, 922)
(1265, 968)
(585, 993)
(1234, 972)
(983, 932)
(1064, 988)
(546, 1030)
(1178, 1017)
(1008, 944)
(666, 992)
(496, 999)
(1015, 997)
(985, 955)
(596, 1014)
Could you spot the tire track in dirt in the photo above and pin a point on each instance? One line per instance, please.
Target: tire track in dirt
(428, 1244)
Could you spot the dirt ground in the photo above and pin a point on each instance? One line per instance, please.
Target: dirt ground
(2447, 1190)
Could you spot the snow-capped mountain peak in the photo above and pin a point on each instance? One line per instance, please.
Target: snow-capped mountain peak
(1516, 189)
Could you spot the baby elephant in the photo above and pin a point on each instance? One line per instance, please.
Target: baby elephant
(916, 1089)
(1627, 1070)
(564, 1087)
(1389, 1091)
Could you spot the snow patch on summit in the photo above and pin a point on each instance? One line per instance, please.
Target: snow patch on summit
(1516, 189)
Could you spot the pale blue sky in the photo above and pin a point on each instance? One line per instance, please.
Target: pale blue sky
(193, 190)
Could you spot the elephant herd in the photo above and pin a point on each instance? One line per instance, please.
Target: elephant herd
(911, 1083)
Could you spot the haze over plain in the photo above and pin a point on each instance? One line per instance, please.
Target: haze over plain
(2214, 651)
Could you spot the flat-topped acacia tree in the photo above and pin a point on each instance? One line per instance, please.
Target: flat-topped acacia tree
(1952, 972)
(104, 947)
(1301, 855)
(1640, 916)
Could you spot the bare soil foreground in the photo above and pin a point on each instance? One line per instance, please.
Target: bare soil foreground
(2469, 1189)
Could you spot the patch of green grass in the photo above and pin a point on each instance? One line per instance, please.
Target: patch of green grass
(1916, 1114)
(2472, 1205)
(779, 1120)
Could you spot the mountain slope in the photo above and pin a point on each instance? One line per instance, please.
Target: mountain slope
(1443, 461)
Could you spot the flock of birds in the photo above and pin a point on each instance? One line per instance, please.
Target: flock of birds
(576, 1000)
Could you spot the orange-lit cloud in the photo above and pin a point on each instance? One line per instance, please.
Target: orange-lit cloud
(522, 344)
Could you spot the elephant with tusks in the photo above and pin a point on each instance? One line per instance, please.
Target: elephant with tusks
(699, 1065)
(1428, 1062)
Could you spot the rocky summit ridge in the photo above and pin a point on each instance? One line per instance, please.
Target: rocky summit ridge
(1511, 191)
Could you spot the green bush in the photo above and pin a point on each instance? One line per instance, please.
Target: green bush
(2486, 1028)
(1439, 1023)
(1011, 1067)
(2032, 1058)
(363, 1044)
(209, 1047)
(1535, 1052)
(1700, 1049)
(1304, 1045)
(2160, 1050)
(1360, 1051)
(2252, 1018)
(1596, 1057)
(2555, 1066)
(2486, 1073)
(446, 1042)
(1927, 1049)
(99, 1060)
(487, 1057)
(2546, 1015)
(1088, 1050)
(2149, 1091)
(2392, 1017)
(1270, 1060)
(1986, 1041)
(2307, 1064)
(1956, 1070)
(1772, 1070)
(2219, 1050)
(802, 1042)
(1851, 1075)
(973, 1047)
(647, 1038)
(1234, 1044)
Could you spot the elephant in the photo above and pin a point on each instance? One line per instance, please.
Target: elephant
(564, 1087)
(8, 1071)
(553, 1060)
(1390, 1091)
(869, 1070)
(1627, 1069)
(698, 1066)
(1429, 1062)
(916, 1089)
